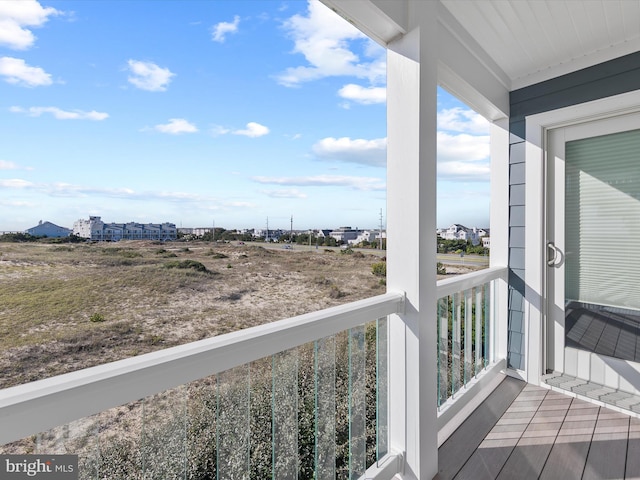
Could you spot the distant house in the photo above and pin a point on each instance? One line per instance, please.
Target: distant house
(48, 229)
(460, 232)
(365, 236)
(271, 235)
(344, 234)
(196, 232)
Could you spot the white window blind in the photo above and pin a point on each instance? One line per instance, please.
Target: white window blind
(602, 220)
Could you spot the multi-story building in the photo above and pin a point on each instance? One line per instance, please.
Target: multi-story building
(95, 229)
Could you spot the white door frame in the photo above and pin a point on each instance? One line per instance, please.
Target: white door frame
(537, 127)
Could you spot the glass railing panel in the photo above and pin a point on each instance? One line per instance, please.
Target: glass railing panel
(285, 414)
(261, 393)
(202, 415)
(233, 424)
(464, 336)
(444, 345)
(479, 314)
(382, 390)
(468, 336)
(357, 403)
(456, 344)
(164, 435)
(325, 408)
(317, 411)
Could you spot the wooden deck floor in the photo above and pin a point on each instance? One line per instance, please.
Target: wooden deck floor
(526, 432)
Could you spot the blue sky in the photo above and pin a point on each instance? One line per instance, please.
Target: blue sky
(196, 112)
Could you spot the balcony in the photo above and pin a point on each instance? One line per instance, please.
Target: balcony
(305, 397)
(411, 383)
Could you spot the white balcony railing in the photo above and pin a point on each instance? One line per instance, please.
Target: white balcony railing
(297, 398)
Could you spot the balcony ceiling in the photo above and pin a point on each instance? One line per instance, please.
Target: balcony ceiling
(532, 41)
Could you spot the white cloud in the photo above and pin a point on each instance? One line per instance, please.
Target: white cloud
(462, 120)
(253, 130)
(463, 147)
(286, 193)
(149, 76)
(464, 171)
(220, 30)
(356, 183)
(17, 72)
(217, 130)
(363, 95)
(4, 165)
(463, 157)
(323, 38)
(15, 16)
(176, 126)
(62, 114)
(239, 204)
(365, 152)
(18, 204)
(15, 183)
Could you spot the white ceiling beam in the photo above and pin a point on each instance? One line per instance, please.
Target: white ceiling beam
(381, 20)
(464, 69)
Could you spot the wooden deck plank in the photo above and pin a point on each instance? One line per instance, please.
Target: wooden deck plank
(459, 448)
(567, 458)
(542, 434)
(607, 458)
(527, 460)
(487, 461)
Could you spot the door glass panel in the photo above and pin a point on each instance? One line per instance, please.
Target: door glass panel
(602, 228)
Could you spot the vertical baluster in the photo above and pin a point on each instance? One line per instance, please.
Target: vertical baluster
(357, 402)
(285, 414)
(455, 343)
(443, 350)
(232, 433)
(478, 325)
(325, 406)
(382, 388)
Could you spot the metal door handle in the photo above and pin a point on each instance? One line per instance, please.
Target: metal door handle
(554, 260)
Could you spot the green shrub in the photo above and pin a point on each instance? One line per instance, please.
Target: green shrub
(192, 264)
(97, 318)
(441, 269)
(214, 254)
(379, 269)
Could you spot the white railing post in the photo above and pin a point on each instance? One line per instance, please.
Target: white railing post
(411, 253)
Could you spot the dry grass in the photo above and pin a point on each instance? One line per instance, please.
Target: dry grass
(50, 293)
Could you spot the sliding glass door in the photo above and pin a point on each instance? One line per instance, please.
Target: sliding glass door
(593, 233)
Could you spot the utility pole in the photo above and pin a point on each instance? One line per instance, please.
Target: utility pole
(267, 237)
(213, 232)
(291, 233)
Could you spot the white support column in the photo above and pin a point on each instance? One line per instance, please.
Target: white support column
(411, 254)
(499, 229)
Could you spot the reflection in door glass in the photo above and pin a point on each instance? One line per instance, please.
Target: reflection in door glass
(602, 228)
